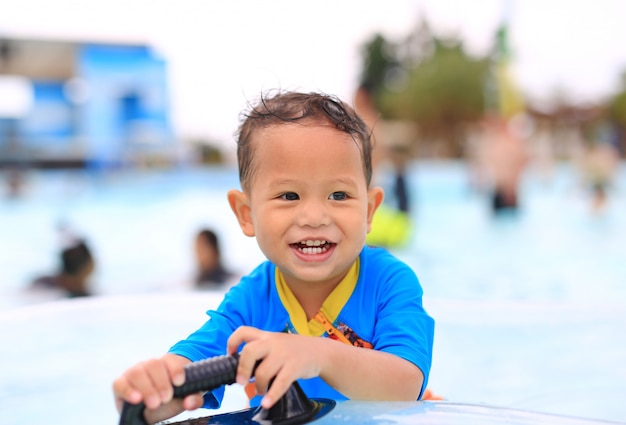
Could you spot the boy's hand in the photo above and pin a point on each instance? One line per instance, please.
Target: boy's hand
(152, 382)
(286, 358)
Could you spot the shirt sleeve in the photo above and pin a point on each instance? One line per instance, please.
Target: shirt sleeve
(210, 340)
(403, 327)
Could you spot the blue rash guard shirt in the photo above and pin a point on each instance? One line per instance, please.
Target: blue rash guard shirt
(379, 306)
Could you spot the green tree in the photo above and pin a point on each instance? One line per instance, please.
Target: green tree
(378, 61)
(616, 112)
(443, 92)
(617, 105)
(429, 81)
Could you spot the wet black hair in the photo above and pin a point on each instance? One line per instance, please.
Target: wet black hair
(295, 107)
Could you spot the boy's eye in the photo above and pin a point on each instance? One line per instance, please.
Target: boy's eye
(290, 196)
(338, 196)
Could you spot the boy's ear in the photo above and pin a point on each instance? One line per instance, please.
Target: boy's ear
(240, 204)
(375, 197)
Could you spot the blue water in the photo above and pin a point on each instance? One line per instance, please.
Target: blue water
(529, 308)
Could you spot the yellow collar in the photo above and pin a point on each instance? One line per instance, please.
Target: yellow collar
(330, 308)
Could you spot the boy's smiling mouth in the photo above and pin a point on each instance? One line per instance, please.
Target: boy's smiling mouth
(312, 247)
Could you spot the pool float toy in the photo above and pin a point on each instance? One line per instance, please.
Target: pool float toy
(296, 408)
(391, 228)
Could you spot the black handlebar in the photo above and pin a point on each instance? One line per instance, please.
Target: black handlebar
(293, 408)
(204, 375)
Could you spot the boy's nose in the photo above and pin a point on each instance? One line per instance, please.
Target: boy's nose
(313, 214)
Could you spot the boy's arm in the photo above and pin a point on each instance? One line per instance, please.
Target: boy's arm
(152, 382)
(367, 374)
(358, 373)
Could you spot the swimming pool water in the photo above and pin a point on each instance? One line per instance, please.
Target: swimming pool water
(529, 308)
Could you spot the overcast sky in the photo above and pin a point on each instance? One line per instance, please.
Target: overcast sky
(221, 53)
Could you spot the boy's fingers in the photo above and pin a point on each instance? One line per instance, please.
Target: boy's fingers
(193, 401)
(174, 407)
(143, 381)
(123, 391)
(166, 411)
(277, 389)
(249, 359)
(152, 382)
(161, 381)
(266, 371)
(242, 334)
(249, 355)
(176, 368)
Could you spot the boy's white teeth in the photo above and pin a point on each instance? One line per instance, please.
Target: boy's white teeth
(314, 243)
(313, 247)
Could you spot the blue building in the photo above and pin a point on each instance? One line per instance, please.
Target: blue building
(65, 103)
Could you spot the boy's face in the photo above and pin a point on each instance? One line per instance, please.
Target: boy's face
(308, 206)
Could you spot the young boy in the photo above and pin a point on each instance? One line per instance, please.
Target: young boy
(344, 319)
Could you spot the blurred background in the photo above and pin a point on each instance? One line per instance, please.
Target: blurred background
(175, 77)
(500, 130)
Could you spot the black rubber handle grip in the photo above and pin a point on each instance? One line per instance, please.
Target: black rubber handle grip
(204, 375)
(207, 375)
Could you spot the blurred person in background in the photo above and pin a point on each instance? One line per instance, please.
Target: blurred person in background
(76, 267)
(399, 156)
(392, 225)
(14, 178)
(598, 164)
(210, 270)
(505, 157)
